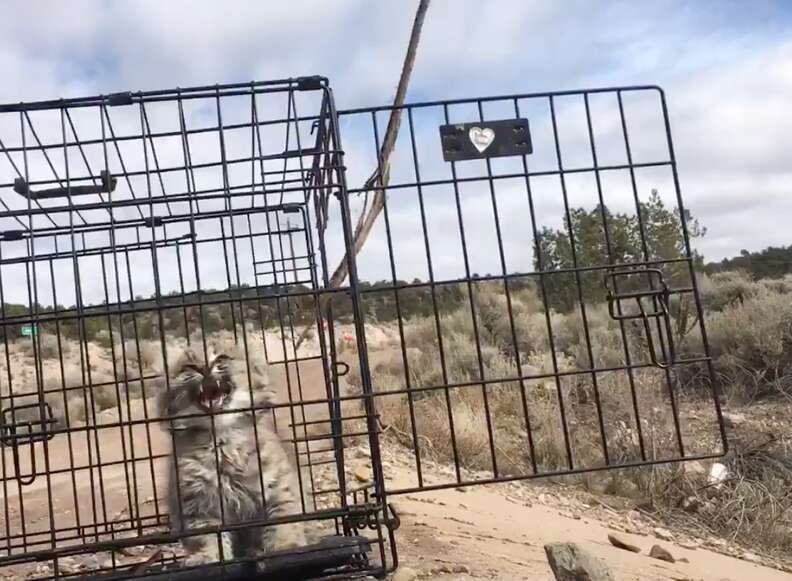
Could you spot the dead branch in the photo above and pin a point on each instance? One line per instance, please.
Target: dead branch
(379, 179)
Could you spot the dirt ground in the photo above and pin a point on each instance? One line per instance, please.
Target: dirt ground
(499, 532)
(486, 532)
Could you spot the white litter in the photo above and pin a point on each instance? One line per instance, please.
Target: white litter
(718, 475)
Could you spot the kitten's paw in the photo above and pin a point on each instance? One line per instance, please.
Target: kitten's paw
(289, 536)
(196, 559)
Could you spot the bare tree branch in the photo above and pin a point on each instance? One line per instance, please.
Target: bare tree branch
(378, 180)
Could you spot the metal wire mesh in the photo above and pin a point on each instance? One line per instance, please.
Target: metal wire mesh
(560, 325)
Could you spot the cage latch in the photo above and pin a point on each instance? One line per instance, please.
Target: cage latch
(634, 301)
(10, 235)
(311, 83)
(118, 99)
(22, 426)
(107, 185)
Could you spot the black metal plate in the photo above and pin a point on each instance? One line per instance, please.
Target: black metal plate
(330, 555)
(484, 139)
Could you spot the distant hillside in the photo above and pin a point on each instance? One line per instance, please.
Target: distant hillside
(772, 262)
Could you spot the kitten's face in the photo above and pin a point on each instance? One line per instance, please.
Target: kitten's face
(210, 387)
(200, 391)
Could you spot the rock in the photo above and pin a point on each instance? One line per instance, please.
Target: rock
(363, 474)
(405, 574)
(689, 545)
(691, 504)
(68, 566)
(135, 551)
(571, 563)
(719, 544)
(663, 534)
(733, 419)
(750, 557)
(619, 543)
(660, 553)
(695, 467)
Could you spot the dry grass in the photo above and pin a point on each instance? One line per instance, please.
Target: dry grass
(752, 344)
(750, 327)
(46, 346)
(455, 424)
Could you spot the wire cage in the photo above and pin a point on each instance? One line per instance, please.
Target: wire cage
(525, 305)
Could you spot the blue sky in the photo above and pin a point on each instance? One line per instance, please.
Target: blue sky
(726, 67)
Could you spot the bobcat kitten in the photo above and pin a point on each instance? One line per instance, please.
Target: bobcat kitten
(216, 478)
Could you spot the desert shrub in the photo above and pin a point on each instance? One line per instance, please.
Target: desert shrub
(133, 360)
(46, 346)
(777, 285)
(752, 345)
(723, 289)
(68, 406)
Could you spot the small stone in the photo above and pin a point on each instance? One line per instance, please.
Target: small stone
(363, 474)
(663, 534)
(405, 574)
(689, 545)
(68, 566)
(660, 553)
(133, 551)
(695, 467)
(718, 544)
(621, 544)
(571, 563)
(691, 504)
(750, 557)
(733, 419)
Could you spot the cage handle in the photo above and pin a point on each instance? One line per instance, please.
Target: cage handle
(660, 298)
(35, 431)
(108, 185)
(671, 355)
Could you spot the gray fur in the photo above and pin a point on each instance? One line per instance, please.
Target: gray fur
(203, 495)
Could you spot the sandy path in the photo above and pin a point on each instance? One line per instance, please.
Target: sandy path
(492, 533)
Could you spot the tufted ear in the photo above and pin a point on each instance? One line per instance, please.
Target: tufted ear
(184, 359)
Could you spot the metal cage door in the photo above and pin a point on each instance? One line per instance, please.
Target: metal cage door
(529, 291)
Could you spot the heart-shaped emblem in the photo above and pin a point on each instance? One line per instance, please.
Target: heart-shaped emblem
(481, 138)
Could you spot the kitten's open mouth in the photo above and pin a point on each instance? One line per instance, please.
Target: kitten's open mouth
(214, 396)
(213, 402)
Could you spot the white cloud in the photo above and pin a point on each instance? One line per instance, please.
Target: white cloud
(727, 73)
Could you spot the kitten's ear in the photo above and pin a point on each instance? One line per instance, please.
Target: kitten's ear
(182, 360)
